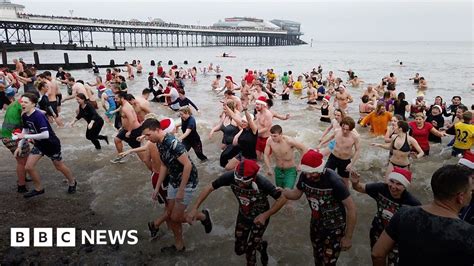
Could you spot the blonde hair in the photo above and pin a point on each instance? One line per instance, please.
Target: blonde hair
(185, 109)
(151, 116)
(420, 114)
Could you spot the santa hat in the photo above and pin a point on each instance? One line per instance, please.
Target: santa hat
(467, 159)
(327, 98)
(437, 106)
(230, 78)
(312, 162)
(167, 125)
(401, 175)
(262, 100)
(248, 169)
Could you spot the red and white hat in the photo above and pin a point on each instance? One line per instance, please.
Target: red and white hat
(467, 159)
(167, 125)
(262, 100)
(248, 169)
(312, 162)
(327, 98)
(230, 78)
(401, 175)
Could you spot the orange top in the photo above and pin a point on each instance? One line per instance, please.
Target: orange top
(378, 123)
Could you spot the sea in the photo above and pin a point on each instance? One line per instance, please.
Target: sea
(123, 191)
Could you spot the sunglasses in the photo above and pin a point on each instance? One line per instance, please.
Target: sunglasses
(241, 178)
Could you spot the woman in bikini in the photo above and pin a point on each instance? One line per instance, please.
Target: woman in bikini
(400, 147)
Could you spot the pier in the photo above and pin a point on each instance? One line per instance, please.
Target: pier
(16, 27)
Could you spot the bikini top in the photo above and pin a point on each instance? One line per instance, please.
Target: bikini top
(405, 147)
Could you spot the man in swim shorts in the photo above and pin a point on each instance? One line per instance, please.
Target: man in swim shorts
(282, 149)
(342, 158)
(264, 122)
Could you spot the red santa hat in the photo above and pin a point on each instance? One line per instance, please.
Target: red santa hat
(167, 125)
(312, 162)
(327, 98)
(401, 175)
(246, 170)
(230, 79)
(467, 159)
(262, 100)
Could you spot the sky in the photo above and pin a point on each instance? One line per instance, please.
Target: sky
(336, 20)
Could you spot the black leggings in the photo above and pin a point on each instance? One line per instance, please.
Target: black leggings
(93, 133)
(248, 238)
(197, 147)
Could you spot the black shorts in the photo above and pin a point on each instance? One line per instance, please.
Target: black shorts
(53, 152)
(59, 98)
(338, 165)
(132, 139)
(54, 106)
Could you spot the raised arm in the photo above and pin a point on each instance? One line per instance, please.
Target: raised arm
(356, 184)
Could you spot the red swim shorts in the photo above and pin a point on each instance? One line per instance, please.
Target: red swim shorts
(261, 142)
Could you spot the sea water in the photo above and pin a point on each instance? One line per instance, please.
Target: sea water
(123, 191)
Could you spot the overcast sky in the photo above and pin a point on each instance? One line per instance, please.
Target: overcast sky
(375, 20)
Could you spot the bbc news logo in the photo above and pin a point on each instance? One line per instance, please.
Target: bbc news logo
(66, 237)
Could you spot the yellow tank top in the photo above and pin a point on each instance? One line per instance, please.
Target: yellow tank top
(464, 136)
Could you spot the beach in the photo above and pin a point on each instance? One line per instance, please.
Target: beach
(118, 196)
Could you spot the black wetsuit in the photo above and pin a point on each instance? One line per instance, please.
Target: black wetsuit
(440, 123)
(92, 134)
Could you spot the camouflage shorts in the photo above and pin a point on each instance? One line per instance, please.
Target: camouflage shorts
(13, 144)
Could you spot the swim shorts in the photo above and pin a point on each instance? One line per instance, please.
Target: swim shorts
(338, 164)
(53, 155)
(261, 143)
(285, 177)
(132, 139)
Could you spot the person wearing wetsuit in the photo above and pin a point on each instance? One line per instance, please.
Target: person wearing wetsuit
(435, 117)
(400, 105)
(190, 137)
(182, 100)
(94, 121)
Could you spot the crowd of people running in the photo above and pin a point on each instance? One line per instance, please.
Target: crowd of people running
(439, 232)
